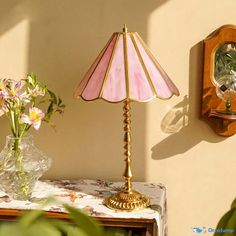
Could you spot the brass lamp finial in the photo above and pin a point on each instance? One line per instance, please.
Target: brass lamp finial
(125, 30)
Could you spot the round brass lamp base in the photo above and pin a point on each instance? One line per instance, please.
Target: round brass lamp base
(127, 201)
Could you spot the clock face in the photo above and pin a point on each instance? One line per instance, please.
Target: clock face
(226, 87)
(225, 71)
(225, 60)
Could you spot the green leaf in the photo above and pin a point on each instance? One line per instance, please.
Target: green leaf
(43, 228)
(49, 113)
(59, 102)
(85, 223)
(29, 217)
(53, 96)
(224, 221)
(31, 79)
(69, 230)
(233, 205)
(11, 229)
(74, 231)
(230, 223)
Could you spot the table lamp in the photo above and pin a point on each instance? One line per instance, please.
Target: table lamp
(126, 71)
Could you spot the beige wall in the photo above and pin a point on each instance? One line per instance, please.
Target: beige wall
(59, 39)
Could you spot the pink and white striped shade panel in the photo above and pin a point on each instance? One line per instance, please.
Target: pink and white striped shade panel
(126, 69)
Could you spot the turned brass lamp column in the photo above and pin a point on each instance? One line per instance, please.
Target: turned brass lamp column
(127, 140)
(127, 199)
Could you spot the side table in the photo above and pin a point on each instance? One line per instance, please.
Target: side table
(88, 195)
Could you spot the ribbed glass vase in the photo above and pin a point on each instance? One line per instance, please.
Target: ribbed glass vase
(21, 165)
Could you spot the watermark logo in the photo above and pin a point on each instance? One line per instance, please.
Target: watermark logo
(201, 230)
(221, 230)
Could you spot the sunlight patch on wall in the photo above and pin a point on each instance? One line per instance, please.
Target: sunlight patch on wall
(14, 51)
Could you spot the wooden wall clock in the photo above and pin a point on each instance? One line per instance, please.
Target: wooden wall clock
(219, 81)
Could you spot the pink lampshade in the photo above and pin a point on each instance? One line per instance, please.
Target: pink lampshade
(126, 69)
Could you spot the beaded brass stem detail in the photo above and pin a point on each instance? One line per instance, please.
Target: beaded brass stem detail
(127, 140)
(127, 199)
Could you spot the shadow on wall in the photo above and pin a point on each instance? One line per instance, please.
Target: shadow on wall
(182, 121)
(64, 39)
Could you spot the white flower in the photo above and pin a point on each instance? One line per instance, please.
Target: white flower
(37, 91)
(3, 106)
(14, 90)
(2, 84)
(24, 97)
(34, 118)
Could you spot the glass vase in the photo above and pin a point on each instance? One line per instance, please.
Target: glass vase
(21, 165)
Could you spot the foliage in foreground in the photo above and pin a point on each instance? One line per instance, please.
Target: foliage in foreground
(227, 224)
(35, 223)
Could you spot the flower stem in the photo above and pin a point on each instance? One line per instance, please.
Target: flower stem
(12, 119)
